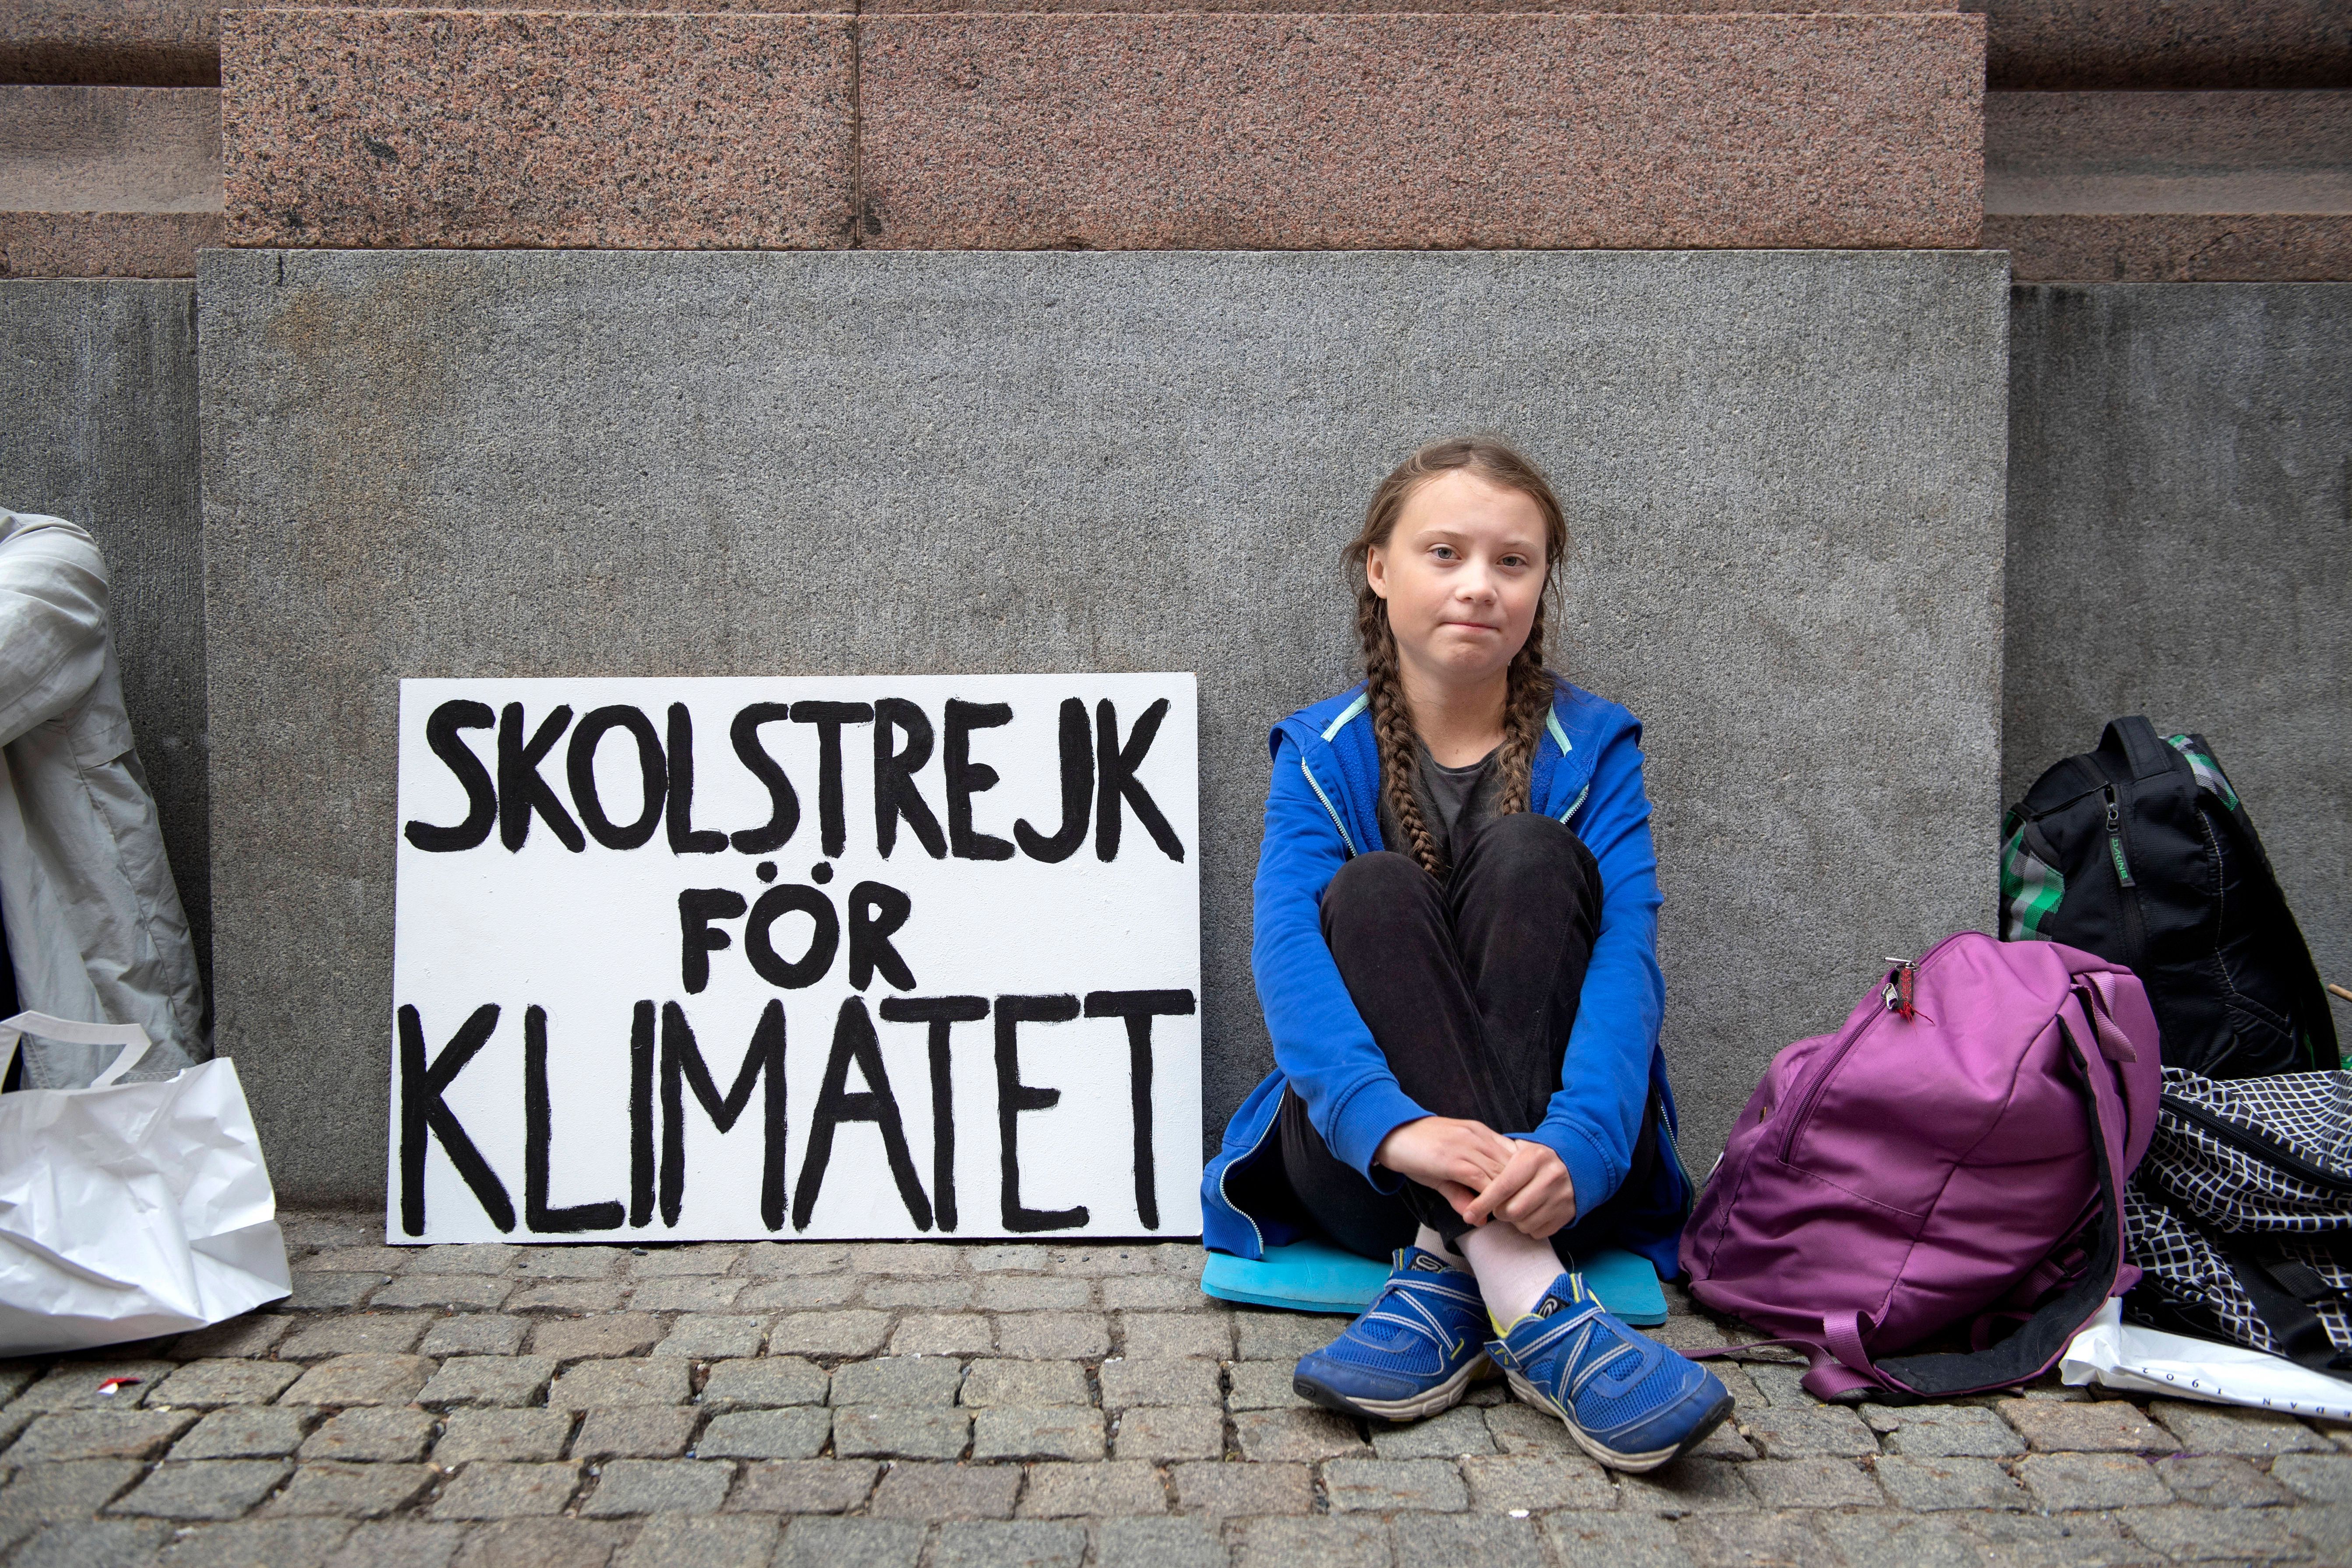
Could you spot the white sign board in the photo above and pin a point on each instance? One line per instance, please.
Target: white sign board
(702, 959)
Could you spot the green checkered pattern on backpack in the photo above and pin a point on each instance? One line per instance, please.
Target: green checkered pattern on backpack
(2031, 888)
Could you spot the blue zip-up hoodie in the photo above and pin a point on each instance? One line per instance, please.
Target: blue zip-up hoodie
(1323, 807)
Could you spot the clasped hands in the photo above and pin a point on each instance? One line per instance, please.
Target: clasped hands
(1483, 1173)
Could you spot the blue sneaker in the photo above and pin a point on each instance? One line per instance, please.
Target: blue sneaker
(1412, 1351)
(1629, 1400)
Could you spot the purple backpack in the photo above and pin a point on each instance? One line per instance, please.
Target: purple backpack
(1957, 1154)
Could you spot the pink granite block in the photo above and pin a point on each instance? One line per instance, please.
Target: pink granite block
(1408, 131)
(475, 129)
(104, 245)
(2174, 247)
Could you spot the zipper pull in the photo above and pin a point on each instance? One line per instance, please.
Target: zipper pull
(2116, 840)
(1901, 993)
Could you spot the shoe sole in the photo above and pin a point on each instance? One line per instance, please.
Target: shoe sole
(1632, 1464)
(1441, 1396)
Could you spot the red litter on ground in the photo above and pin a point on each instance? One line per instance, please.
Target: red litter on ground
(114, 1385)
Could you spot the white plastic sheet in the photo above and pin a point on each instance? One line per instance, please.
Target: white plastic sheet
(129, 1210)
(2117, 1355)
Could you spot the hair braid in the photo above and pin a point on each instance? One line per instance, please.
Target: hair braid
(1525, 710)
(1392, 728)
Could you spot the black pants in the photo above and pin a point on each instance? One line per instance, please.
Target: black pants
(1469, 988)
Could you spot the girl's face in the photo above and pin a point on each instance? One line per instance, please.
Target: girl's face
(1463, 572)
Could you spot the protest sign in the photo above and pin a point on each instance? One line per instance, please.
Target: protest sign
(727, 958)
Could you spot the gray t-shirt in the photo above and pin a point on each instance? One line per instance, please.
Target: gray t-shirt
(1454, 802)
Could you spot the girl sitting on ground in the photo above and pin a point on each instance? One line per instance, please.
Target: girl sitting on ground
(1455, 949)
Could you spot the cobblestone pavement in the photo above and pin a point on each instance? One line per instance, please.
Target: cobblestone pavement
(950, 1406)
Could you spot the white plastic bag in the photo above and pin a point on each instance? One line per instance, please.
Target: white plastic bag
(2143, 1361)
(129, 1210)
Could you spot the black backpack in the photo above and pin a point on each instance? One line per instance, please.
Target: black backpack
(2140, 852)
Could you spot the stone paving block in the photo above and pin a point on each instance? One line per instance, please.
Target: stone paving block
(898, 1380)
(2322, 1477)
(543, 1543)
(1686, 1485)
(473, 1292)
(895, 1431)
(1282, 1336)
(109, 1543)
(1159, 1380)
(938, 1295)
(101, 1435)
(737, 1540)
(489, 1381)
(1331, 1541)
(1800, 1432)
(2092, 1480)
(1031, 1293)
(70, 1491)
(1454, 1433)
(614, 1334)
(257, 1543)
(694, 1257)
(1144, 1334)
(1037, 1431)
(1254, 1385)
(612, 1384)
(1155, 1293)
(494, 1489)
(803, 1486)
(534, 1436)
(950, 1333)
(570, 1297)
(796, 1432)
(467, 1257)
(946, 1491)
(1501, 1483)
(1157, 1543)
(2188, 1534)
(367, 1333)
(1386, 1486)
(2228, 1429)
(906, 1257)
(798, 1293)
(75, 1385)
(1030, 1382)
(631, 1487)
(1180, 1432)
(1811, 1483)
(636, 1432)
(1685, 1333)
(1615, 1540)
(1301, 1435)
(764, 1382)
(203, 1489)
(851, 1544)
(993, 1544)
(686, 1295)
(1094, 1261)
(1054, 1336)
(708, 1336)
(352, 1492)
(1960, 1482)
(854, 1332)
(224, 1382)
(328, 1292)
(2104, 1426)
(1231, 1490)
(393, 1435)
(400, 1543)
(1794, 1538)
(249, 1433)
(1490, 1541)
(255, 1334)
(1013, 1259)
(475, 1334)
(1943, 1431)
(1086, 1491)
(2222, 1480)
(1724, 1443)
(763, 1260)
(1181, 1257)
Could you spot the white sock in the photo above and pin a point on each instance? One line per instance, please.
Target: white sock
(1430, 1241)
(1513, 1271)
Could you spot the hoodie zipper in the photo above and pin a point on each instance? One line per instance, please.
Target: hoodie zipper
(2253, 1143)
(1272, 1122)
(1327, 804)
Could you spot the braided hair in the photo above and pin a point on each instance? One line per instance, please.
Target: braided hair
(1526, 701)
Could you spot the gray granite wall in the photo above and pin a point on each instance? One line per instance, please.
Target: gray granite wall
(2181, 471)
(98, 425)
(1784, 471)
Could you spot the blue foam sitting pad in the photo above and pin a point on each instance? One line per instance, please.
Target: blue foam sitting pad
(1316, 1277)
